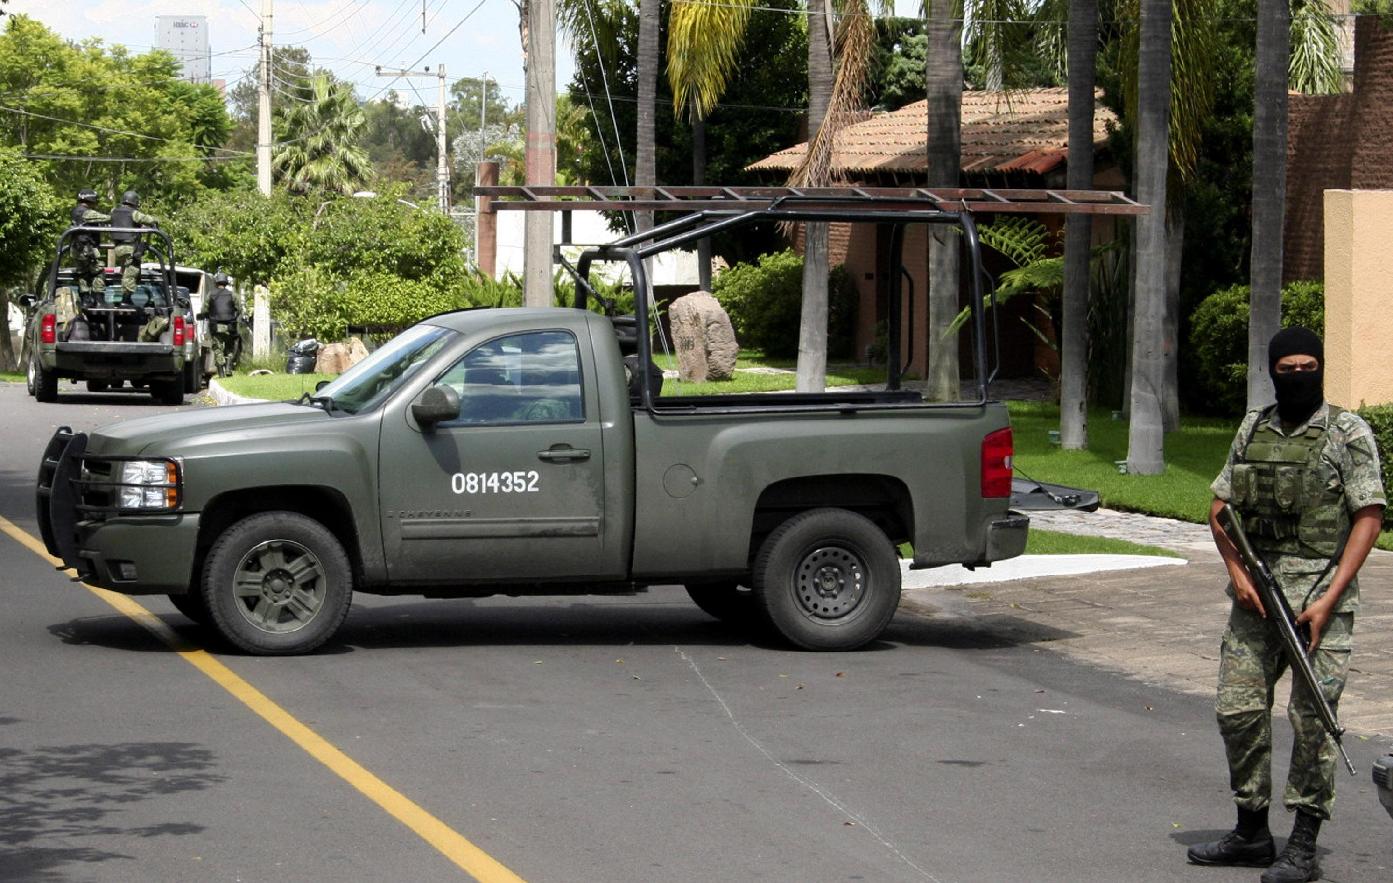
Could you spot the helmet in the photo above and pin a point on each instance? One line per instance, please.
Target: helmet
(130, 198)
(220, 278)
(87, 195)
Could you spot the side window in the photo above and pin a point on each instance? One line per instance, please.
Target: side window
(522, 378)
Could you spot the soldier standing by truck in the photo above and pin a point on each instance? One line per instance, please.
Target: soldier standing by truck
(87, 265)
(223, 314)
(1304, 476)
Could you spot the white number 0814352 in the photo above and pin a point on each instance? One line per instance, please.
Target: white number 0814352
(495, 482)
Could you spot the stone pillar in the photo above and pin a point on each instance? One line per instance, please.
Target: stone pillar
(486, 222)
(1358, 321)
(261, 323)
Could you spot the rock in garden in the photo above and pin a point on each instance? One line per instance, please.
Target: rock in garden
(705, 340)
(337, 358)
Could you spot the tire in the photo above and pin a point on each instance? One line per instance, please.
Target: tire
(191, 604)
(168, 392)
(30, 378)
(191, 378)
(296, 584)
(97, 386)
(827, 579)
(45, 383)
(725, 601)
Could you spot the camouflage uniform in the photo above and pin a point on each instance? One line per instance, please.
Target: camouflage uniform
(87, 263)
(222, 314)
(129, 249)
(1346, 478)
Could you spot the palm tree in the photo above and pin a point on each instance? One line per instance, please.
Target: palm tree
(1073, 372)
(1269, 190)
(645, 174)
(944, 82)
(320, 149)
(1145, 437)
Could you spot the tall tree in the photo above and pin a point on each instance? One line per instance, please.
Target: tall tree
(645, 165)
(320, 148)
(811, 373)
(1269, 191)
(1073, 372)
(944, 79)
(1146, 437)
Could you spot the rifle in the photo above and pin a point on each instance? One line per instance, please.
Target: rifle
(1274, 602)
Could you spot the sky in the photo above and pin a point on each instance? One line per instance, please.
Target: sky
(349, 37)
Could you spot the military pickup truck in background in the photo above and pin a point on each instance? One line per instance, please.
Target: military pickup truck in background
(108, 337)
(518, 451)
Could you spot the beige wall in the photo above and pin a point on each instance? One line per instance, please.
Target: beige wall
(1358, 306)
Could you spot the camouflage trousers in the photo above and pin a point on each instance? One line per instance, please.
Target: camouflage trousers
(1251, 661)
(227, 347)
(126, 260)
(87, 268)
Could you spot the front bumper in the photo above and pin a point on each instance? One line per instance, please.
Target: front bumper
(132, 554)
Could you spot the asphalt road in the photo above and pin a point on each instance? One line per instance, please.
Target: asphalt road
(626, 739)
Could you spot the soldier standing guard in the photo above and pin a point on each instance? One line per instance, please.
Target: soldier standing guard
(87, 265)
(130, 247)
(222, 314)
(1304, 476)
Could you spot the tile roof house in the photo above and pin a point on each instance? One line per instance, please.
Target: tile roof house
(1018, 138)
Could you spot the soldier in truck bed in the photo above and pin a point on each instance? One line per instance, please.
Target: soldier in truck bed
(130, 247)
(87, 265)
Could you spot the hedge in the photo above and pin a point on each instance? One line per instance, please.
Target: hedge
(765, 302)
(1380, 419)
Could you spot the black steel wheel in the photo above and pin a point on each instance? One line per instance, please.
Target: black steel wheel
(277, 583)
(192, 605)
(43, 383)
(726, 600)
(827, 579)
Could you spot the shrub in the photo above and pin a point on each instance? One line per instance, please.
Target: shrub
(1380, 418)
(765, 301)
(1219, 338)
(312, 303)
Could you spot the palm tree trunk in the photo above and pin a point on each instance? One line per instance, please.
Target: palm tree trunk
(812, 329)
(1170, 349)
(1078, 236)
(699, 178)
(1269, 191)
(1146, 435)
(645, 174)
(944, 80)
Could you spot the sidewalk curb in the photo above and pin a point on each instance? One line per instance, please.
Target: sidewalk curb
(222, 396)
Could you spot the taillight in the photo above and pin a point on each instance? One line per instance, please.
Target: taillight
(48, 329)
(997, 449)
(178, 330)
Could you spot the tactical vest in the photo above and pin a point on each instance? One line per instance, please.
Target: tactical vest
(82, 242)
(221, 306)
(123, 216)
(1291, 500)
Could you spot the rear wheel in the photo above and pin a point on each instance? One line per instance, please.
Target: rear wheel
(726, 601)
(828, 579)
(168, 392)
(277, 583)
(44, 383)
(191, 378)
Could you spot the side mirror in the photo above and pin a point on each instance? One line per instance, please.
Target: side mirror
(320, 385)
(27, 301)
(436, 405)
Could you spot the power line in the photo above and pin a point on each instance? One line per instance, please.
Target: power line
(448, 33)
(65, 156)
(110, 130)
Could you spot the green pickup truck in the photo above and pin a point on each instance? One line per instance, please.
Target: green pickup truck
(516, 451)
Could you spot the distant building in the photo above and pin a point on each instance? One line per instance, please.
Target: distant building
(186, 37)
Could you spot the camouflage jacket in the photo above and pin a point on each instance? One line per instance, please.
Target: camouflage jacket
(1353, 458)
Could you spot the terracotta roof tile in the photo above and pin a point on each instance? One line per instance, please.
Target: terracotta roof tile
(1024, 130)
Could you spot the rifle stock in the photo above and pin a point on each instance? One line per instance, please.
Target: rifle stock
(1275, 603)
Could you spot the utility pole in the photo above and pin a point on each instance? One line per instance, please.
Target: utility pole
(442, 166)
(541, 148)
(483, 112)
(263, 105)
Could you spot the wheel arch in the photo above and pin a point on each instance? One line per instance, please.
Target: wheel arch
(884, 499)
(326, 505)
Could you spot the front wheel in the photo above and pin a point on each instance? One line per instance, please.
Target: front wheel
(277, 583)
(725, 601)
(192, 605)
(828, 579)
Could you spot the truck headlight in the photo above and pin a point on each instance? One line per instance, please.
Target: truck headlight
(149, 484)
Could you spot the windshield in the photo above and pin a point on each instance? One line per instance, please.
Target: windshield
(370, 382)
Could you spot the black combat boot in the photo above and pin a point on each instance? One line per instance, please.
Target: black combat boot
(1297, 863)
(1248, 845)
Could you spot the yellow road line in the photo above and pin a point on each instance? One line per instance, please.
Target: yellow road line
(451, 844)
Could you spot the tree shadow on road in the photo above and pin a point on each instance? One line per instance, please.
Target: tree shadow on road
(55, 797)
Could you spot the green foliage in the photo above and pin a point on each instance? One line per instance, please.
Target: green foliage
(31, 216)
(320, 149)
(765, 299)
(310, 302)
(897, 70)
(383, 235)
(1219, 338)
(248, 235)
(89, 100)
(1380, 420)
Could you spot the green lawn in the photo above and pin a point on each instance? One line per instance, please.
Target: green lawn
(1049, 542)
(838, 374)
(276, 387)
(11, 377)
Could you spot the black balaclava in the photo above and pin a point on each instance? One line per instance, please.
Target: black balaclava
(1299, 393)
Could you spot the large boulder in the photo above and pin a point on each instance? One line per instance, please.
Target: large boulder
(337, 358)
(704, 337)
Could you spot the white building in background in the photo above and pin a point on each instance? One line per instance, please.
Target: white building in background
(186, 37)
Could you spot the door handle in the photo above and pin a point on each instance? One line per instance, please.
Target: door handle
(561, 454)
